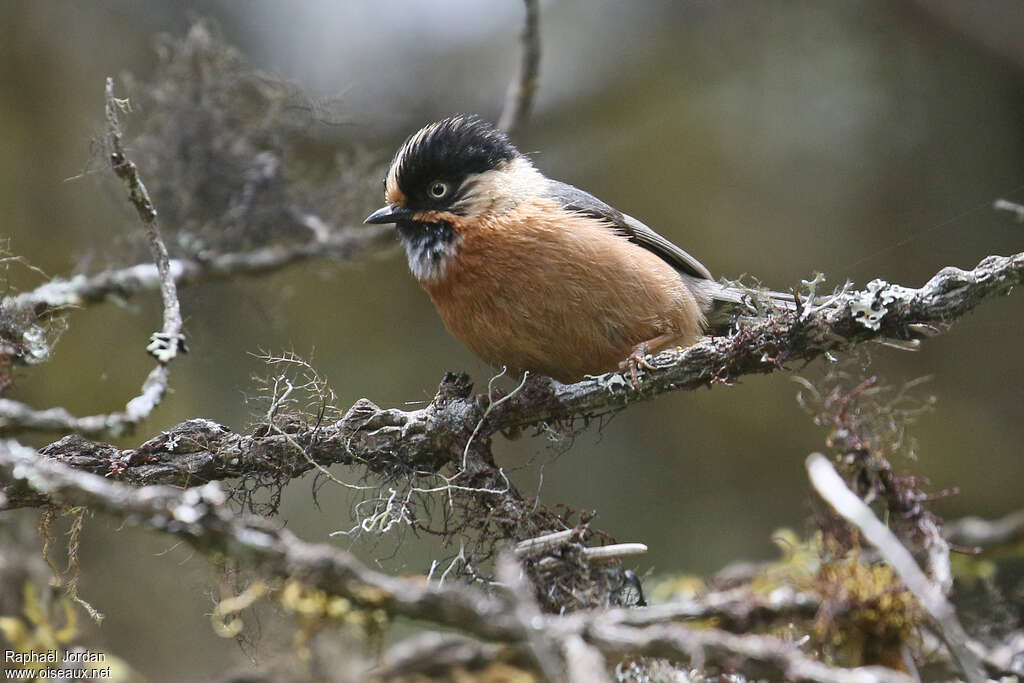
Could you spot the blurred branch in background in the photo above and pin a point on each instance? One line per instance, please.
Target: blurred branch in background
(199, 517)
(1012, 207)
(971, 532)
(519, 99)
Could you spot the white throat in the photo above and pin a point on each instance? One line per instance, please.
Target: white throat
(430, 249)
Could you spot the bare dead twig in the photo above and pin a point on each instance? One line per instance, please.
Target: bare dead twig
(606, 553)
(1013, 207)
(519, 99)
(978, 532)
(542, 545)
(833, 489)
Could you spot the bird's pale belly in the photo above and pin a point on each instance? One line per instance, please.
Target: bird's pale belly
(562, 317)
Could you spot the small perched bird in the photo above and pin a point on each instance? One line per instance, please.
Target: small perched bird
(531, 273)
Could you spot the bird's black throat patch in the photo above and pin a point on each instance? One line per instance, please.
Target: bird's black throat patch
(428, 246)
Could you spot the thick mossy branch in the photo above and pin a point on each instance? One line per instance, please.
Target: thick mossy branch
(386, 440)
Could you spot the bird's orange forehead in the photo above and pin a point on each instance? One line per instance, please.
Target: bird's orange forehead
(392, 192)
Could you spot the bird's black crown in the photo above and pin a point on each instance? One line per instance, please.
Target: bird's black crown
(449, 150)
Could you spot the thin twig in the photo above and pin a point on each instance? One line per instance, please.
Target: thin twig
(607, 553)
(521, 90)
(834, 490)
(163, 274)
(978, 532)
(491, 405)
(139, 195)
(1013, 207)
(542, 545)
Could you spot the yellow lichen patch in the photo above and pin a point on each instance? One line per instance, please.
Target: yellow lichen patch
(371, 595)
(313, 609)
(316, 609)
(866, 614)
(46, 632)
(797, 567)
(225, 623)
(43, 626)
(679, 587)
(970, 569)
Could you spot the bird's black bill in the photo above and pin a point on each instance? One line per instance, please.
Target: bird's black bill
(389, 214)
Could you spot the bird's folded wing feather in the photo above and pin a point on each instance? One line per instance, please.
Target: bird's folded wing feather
(575, 199)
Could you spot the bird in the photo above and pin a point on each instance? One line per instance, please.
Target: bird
(533, 274)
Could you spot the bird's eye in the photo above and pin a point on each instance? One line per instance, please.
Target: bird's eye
(438, 189)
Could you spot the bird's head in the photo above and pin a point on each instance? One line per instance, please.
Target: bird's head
(454, 170)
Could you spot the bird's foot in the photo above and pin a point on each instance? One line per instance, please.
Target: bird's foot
(637, 359)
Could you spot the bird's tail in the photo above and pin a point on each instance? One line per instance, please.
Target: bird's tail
(723, 302)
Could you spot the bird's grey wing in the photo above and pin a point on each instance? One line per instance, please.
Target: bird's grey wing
(575, 199)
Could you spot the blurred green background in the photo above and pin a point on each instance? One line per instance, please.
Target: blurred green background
(770, 138)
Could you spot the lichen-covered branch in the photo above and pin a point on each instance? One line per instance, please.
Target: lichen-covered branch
(199, 517)
(126, 170)
(118, 284)
(427, 439)
(164, 345)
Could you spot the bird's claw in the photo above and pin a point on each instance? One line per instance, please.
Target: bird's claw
(637, 359)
